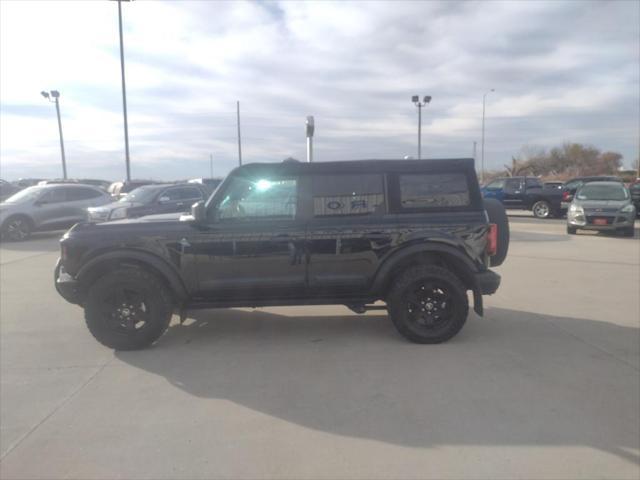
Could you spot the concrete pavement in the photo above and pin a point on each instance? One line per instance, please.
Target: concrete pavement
(546, 385)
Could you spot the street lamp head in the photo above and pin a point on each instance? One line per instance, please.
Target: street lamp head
(427, 99)
(44, 94)
(55, 93)
(415, 99)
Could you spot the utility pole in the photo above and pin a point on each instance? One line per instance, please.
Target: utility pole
(56, 94)
(124, 95)
(239, 140)
(310, 129)
(211, 165)
(484, 101)
(474, 153)
(416, 100)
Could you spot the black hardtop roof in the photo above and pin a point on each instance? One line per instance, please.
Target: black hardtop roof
(361, 166)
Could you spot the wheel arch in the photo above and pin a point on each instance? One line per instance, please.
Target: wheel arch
(104, 262)
(431, 253)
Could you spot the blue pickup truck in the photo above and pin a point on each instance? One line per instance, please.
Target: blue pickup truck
(526, 193)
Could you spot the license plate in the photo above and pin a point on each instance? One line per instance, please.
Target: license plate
(599, 221)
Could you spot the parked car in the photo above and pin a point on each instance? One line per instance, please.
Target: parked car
(103, 184)
(150, 200)
(414, 234)
(27, 182)
(212, 183)
(634, 189)
(604, 206)
(571, 186)
(7, 189)
(120, 189)
(47, 207)
(525, 193)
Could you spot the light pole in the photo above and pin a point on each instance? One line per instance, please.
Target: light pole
(55, 94)
(416, 100)
(124, 94)
(239, 138)
(310, 128)
(484, 101)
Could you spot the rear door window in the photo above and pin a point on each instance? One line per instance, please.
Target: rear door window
(512, 185)
(433, 191)
(190, 193)
(341, 195)
(75, 194)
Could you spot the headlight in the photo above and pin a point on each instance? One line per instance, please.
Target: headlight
(627, 208)
(118, 213)
(576, 209)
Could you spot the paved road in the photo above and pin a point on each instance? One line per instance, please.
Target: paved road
(547, 385)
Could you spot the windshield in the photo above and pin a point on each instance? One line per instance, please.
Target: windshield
(141, 194)
(30, 193)
(594, 191)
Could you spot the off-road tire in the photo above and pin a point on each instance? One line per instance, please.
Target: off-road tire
(498, 215)
(100, 312)
(571, 230)
(17, 228)
(407, 283)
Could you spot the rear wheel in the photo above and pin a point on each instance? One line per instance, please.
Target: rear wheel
(428, 304)
(17, 228)
(571, 230)
(128, 309)
(541, 209)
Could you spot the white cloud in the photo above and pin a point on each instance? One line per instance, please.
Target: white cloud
(558, 68)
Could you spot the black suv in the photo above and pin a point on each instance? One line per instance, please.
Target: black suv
(414, 234)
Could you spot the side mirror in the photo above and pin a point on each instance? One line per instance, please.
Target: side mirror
(198, 212)
(163, 200)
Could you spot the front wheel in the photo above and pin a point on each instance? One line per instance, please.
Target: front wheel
(128, 309)
(428, 304)
(571, 230)
(541, 209)
(17, 229)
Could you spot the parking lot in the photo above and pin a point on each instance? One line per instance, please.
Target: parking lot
(546, 385)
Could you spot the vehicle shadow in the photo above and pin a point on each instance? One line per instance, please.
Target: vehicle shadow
(511, 378)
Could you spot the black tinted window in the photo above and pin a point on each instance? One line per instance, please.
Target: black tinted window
(533, 182)
(74, 194)
(172, 194)
(434, 190)
(347, 194)
(190, 193)
(512, 185)
(56, 195)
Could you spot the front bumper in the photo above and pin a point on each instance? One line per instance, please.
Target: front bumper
(613, 222)
(65, 284)
(488, 282)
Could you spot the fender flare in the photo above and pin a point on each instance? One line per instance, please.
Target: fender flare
(166, 270)
(382, 274)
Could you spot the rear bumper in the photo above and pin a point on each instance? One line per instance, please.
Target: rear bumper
(66, 285)
(488, 282)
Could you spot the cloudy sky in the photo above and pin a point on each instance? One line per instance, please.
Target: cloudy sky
(562, 71)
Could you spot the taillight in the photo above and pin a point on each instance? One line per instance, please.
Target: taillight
(565, 196)
(492, 239)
